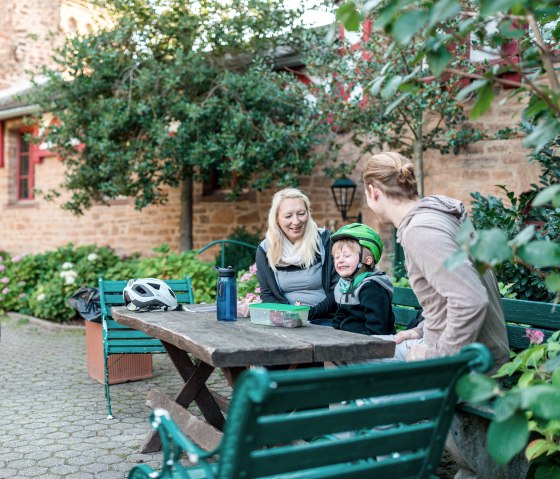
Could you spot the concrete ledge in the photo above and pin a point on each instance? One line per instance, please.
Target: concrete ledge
(43, 323)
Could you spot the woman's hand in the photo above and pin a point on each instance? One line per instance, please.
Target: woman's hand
(407, 334)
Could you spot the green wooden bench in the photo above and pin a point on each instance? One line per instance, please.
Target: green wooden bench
(119, 339)
(519, 316)
(315, 423)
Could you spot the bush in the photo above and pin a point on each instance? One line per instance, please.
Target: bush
(490, 212)
(39, 284)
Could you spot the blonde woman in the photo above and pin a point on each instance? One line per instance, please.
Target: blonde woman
(294, 261)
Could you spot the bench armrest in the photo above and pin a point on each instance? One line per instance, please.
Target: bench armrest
(174, 442)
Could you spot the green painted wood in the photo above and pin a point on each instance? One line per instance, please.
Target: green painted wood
(315, 423)
(118, 339)
(519, 315)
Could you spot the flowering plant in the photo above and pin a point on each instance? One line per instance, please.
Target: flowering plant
(527, 415)
(248, 290)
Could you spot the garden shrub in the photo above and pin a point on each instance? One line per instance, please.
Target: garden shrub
(40, 284)
(491, 212)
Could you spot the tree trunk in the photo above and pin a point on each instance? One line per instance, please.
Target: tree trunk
(419, 159)
(187, 212)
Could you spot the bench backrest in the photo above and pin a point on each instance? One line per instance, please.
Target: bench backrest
(519, 315)
(120, 339)
(381, 420)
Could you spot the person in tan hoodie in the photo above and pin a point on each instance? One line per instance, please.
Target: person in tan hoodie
(460, 306)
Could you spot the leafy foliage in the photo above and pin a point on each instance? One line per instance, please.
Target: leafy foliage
(489, 212)
(529, 407)
(445, 24)
(171, 90)
(40, 284)
(392, 111)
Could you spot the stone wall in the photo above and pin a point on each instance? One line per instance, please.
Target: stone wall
(31, 29)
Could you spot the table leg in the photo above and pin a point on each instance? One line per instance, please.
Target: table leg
(194, 389)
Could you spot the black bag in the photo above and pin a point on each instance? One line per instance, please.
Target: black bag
(86, 302)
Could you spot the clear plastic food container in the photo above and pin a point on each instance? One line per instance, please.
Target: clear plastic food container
(280, 315)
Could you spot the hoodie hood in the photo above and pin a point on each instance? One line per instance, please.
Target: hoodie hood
(436, 204)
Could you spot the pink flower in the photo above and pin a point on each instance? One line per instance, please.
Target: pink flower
(5, 280)
(258, 290)
(2, 267)
(246, 277)
(253, 268)
(5, 290)
(17, 258)
(1, 259)
(535, 336)
(21, 295)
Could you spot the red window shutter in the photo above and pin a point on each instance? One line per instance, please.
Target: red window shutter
(1, 144)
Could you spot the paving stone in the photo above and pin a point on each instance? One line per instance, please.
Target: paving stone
(55, 421)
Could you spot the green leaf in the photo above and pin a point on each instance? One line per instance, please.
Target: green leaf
(542, 400)
(455, 260)
(476, 387)
(488, 7)
(556, 374)
(475, 85)
(466, 233)
(396, 103)
(391, 87)
(547, 471)
(438, 59)
(443, 10)
(408, 24)
(523, 236)
(485, 97)
(536, 448)
(506, 369)
(548, 195)
(526, 378)
(552, 282)
(540, 253)
(375, 86)
(491, 247)
(543, 134)
(348, 15)
(507, 405)
(507, 438)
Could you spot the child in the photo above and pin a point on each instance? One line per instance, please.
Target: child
(363, 293)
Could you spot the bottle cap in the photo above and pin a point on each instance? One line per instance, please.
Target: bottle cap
(227, 272)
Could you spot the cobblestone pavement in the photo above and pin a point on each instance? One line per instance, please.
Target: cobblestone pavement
(53, 416)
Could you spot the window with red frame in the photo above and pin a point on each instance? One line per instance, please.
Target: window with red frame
(25, 166)
(1, 144)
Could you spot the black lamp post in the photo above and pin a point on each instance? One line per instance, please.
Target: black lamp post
(343, 190)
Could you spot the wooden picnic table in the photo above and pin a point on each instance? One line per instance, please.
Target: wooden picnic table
(233, 347)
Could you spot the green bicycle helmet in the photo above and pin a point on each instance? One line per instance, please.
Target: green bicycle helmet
(367, 237)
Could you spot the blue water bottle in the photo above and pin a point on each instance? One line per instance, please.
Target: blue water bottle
(226, 294)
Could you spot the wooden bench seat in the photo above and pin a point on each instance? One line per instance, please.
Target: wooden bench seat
(384, 420)
(519, 316)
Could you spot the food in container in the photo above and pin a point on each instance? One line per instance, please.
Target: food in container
(280, 315)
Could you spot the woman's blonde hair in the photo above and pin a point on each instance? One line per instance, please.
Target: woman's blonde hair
(307, 248)
(393, 174)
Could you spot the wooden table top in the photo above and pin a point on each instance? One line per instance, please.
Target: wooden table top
(241, 343)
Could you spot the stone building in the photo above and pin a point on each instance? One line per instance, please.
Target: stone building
(28, 224)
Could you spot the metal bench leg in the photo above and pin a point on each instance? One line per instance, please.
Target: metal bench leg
(107, 394)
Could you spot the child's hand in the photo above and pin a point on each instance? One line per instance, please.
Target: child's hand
(298, 303)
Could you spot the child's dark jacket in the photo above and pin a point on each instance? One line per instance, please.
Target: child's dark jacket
(366, 309)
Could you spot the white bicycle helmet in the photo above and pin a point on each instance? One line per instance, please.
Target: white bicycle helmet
(149, 294)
